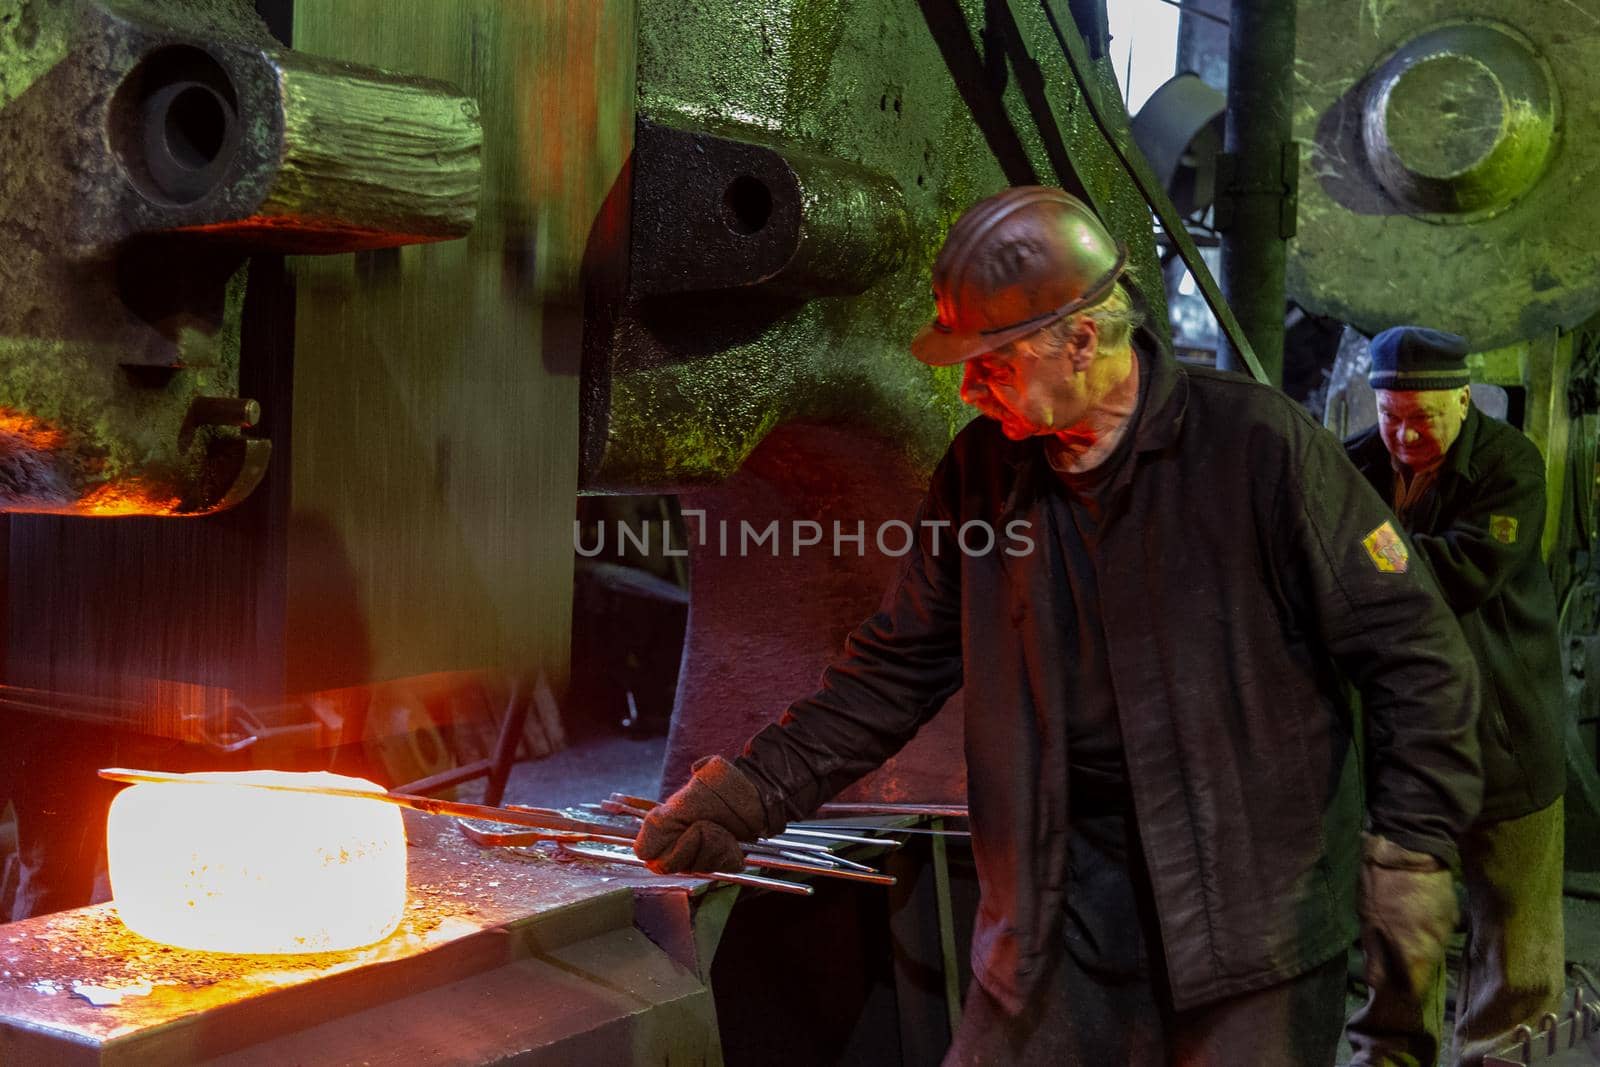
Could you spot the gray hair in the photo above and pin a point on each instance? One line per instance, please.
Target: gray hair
(1116, 316)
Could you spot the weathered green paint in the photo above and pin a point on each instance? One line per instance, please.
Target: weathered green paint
(110, 327)
(866, 84)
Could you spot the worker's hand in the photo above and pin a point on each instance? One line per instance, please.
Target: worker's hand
(1408, 911)
(700, 826)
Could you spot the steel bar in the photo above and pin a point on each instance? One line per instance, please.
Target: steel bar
(753, 880)
(616, 807)
(499, 839)
(820, 863)
(845, 839)
(829, 857)
(826, 858)
(481, 812)
(556, 813)
(945, 811)
(798, 846)
(445, 779)
(622, 804)
(779, 843)
(610, 807)
(925, 830)
(505, 748)
(758, 859)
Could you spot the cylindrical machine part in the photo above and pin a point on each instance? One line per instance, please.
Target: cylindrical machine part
(1255, 237)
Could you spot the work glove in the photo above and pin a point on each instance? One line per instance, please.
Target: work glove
(1408, 911)
(700, 826)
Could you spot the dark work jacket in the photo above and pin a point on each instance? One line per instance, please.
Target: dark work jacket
(1233, 578)
(1492, 482)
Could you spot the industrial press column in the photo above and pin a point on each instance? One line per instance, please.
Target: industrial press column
(1256, 204)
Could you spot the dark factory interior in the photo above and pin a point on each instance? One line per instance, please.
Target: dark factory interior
(800, 532)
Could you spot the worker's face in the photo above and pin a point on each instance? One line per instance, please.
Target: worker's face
(1419, 426)
(1036, 385)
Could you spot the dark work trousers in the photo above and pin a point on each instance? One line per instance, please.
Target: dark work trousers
(1105, 1000)
(1513, 968)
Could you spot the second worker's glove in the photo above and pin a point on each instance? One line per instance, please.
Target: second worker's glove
(700, 826)
(1408, 912)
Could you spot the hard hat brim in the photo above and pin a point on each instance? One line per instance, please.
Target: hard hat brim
(939, 346)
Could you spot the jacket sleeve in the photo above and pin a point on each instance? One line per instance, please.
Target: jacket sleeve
(898, 669)
(1380, 618)
(1470, 562)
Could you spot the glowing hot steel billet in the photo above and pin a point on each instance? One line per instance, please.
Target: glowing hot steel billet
(224, 865)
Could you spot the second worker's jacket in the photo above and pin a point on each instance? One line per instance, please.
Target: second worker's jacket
(1243, 565)
(1479, 530)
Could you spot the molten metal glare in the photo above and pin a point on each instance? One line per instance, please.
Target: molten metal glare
(227, 868)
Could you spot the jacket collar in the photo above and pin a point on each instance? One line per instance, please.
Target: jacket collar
(1166, 399)
(1458, 461)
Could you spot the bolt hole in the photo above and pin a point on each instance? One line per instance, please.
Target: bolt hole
(746, 205)
(174, 124)
(195, 127)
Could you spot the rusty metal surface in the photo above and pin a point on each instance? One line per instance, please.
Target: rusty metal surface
(151, 145)
(171, 998)
(1444, 154)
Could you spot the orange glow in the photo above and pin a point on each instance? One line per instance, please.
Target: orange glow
(124, 498)
(39, 436)
(226, 868)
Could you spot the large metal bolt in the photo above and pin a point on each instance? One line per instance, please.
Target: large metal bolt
(239, 411)
(1460, 119)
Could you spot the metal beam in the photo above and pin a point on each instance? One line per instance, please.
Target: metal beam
(1256, 201)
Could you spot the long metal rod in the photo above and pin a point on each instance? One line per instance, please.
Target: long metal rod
(757, 859)
(755, 880)
(945, 811)
(924, 830)
(638, 807)
(522, 838)
(780, 842)
(1138, 169)
(481, 812)
(505, 747)
(844, 839)
(796, 862)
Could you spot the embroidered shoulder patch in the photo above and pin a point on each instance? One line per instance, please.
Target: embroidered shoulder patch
(1503, 528)
(1387, 549)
